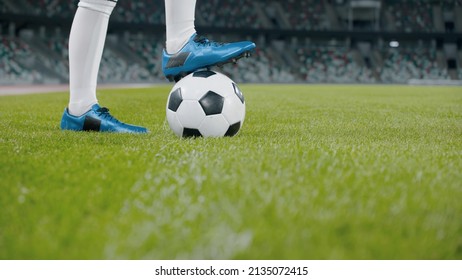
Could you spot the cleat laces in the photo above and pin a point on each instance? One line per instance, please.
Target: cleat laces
(201, 40)
(104, 112)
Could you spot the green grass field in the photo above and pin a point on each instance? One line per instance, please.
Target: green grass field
(317, 172)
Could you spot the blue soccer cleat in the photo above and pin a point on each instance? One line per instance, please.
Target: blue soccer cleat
(199, 52)
(97, 119)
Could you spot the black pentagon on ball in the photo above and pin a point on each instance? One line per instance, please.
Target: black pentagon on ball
(203, 74)
(191, 132)
(238, 92)
(175, 100)
(233, 129)
(212, 103)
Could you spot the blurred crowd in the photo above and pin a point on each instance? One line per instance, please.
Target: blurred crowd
(136, 57)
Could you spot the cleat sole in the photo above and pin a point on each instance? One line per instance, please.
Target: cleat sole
(177, 78)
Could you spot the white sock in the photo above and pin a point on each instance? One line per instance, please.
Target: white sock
(179, 19)
(86, 44)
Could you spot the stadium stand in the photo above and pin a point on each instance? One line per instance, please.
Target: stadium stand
(260, 69)
(229, 13)
(50, 8)
(3, 8)
(411, 63)
(324, 64)
(15, 59)
(305, 15)
(294, 39)
(411, 16)
(140, 12)
(150, 50)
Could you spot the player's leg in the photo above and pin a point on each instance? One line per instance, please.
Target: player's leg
(86, 44)
(185, 51)
(179, 17)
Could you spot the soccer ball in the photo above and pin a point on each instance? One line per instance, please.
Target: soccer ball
(205, 103)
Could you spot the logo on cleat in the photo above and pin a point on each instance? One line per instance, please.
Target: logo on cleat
(177, 60)
(91, 124)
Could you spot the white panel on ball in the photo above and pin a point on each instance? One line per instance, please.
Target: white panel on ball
(234, 110)
(190, 114)
(214, 126)
(174, 123)
(193, 92)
